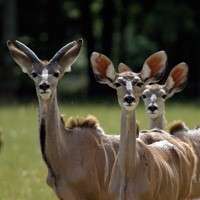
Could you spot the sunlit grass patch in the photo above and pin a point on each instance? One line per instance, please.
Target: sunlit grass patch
(22, 171)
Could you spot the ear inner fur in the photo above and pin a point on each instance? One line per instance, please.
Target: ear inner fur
(102, 63)
(154, 66)
(155, 63)
(177, 75)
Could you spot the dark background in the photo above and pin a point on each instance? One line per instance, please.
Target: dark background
(126, 31)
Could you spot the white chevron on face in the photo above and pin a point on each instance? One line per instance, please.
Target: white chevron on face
(45, 74)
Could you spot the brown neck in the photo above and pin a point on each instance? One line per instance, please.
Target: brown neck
(158, 122)
(50, 131)
(127, 147)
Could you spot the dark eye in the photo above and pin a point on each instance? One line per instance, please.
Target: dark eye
(139, 84)
(164, 96)
(117, 84)
(144, 96)
(34, 74)
(56, 74)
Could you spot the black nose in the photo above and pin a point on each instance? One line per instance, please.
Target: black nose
(44, 86)
(129, 99)
(153, 108)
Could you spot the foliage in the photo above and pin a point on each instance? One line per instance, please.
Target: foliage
(127, 31)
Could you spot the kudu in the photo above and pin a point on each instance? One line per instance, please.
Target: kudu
(154, 97)
(160, 171)
(79, 156)
(192, 137)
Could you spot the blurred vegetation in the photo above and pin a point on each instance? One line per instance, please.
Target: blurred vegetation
(126, 31)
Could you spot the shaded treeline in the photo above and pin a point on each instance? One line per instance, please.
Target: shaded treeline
(126, 31)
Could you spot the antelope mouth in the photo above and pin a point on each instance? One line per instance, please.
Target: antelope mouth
(153, 114)
(45, 94)
(129, 106)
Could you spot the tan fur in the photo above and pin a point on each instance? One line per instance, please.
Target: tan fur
(45, 62)
(177, 126)
(192, 138)
(162, 170)
(81, 122)
(170, 169)
(187, 152)
(161, 173)
(79, 158)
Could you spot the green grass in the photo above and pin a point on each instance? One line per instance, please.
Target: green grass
(22, 171)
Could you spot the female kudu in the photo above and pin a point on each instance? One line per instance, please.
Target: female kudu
(160, 171)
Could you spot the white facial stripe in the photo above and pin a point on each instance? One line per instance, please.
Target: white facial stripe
(153, 98)
(129, 86)
(45, 74)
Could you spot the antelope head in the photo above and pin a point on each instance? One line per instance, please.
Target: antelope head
(155, 95)
(45, 74)
(128, 84)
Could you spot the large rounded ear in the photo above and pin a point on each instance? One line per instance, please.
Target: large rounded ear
(103, 68)
(67, 55)
(154, 66)
(177, 79)
(22, 55)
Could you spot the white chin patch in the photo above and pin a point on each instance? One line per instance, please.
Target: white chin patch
(129, 107)
(45, 95)
(153, 114)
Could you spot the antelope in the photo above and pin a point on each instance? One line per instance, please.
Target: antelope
(77, 153)
(192, 137)
(155, 95)
(160, 171)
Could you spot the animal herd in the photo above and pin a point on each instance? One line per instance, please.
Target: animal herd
(84, 162)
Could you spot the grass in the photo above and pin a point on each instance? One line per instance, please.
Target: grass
(22, 171)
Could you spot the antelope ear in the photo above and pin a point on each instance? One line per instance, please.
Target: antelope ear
(123, 68)
(67, 55)
(177, 79)
(154, 66)
(22, 55)
(103, 68)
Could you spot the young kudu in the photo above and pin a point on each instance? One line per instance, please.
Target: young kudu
(79, 156)
(160, 171)
(155, 95)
